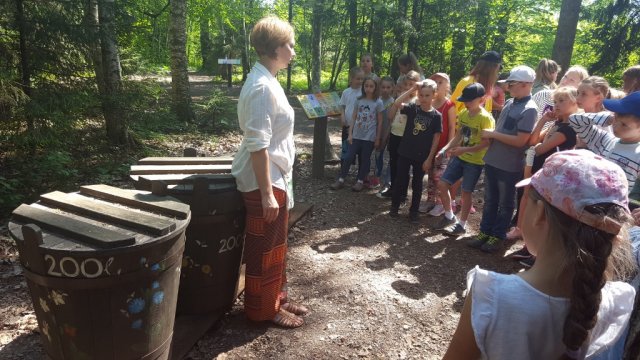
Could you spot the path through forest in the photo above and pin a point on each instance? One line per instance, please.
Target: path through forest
(378, 287)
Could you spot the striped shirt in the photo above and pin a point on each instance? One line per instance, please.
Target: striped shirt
(590, 127)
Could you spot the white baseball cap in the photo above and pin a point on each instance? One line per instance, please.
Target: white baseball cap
(522, 73)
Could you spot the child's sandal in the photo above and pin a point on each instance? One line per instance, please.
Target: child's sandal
(287, 320)
(294, 308)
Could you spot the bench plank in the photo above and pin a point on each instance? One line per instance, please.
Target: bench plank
(69, 226)
(108, 213)
(136, 199)
(218, 160)
(180, 169)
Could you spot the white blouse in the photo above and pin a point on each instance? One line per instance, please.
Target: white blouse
(266, 119)
(513, 320)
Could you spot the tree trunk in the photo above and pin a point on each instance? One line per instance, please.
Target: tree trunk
(352, 9)
(289, 67)
(316, 45)
(24, 59)
(415, 24)
(181, 97)
(566, 33)
(398, 32)
(481, 29)
(92, 26)
(206, 47)
(377, 37)
(115, 120)
(458, 63)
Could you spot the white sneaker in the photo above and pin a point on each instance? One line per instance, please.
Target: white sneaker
(437, 210)
(425, 206)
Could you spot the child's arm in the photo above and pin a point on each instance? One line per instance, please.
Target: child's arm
(537, 134)
(353, 121)
(457, 138)
(518, 140)
(342, 115)
(463, 344)
(399, 101)
(554, 140)
(378, 131)
(589, 129)
(457, 151)
(453, 115)
(432, 153)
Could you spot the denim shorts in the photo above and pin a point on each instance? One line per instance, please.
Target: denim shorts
(456, 169)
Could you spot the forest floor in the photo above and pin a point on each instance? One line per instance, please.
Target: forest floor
(377, 287)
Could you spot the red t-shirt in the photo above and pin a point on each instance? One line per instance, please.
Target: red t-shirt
(444, 110)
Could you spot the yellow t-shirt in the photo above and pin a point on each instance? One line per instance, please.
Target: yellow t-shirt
(471, 128)
(488, 103)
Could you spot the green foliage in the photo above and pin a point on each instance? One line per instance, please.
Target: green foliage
(218, 112)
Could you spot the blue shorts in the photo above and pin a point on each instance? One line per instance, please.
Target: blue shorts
(456, 169)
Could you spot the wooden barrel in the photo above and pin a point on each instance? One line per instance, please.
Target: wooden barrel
(103, 269)
(215, 236)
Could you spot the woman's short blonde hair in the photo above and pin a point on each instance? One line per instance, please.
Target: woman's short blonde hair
(269, 34)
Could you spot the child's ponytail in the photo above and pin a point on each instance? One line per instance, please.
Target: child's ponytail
(592, 257)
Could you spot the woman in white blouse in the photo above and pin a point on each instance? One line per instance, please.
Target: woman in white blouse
(262, 168)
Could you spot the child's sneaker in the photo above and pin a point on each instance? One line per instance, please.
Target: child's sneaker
(414, 218)
(478, 240)
(443, 222)
(492, 244)
(374, 182)
(437, 210)
(337, 185)
(455, 230)
(385, 193)
(426, 206)
(358, 186)
(514, 234)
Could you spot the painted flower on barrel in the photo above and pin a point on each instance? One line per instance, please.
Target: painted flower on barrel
(136, 306)
(44, 305)
(206, 269)
(158, 297)
(155, 285)
(45, 330)
(137, 324)
(155, 267)
(57, 297)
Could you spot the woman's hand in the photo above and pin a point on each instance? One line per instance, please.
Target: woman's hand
(270, 208)
(350, 140)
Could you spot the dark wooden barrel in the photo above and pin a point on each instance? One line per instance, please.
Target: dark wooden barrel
(103, 269)
(215, 236)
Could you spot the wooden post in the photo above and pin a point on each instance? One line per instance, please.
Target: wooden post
(319, 144)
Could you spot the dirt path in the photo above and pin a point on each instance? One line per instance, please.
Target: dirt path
(378, 287)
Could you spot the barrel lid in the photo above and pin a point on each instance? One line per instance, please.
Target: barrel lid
(98, 218)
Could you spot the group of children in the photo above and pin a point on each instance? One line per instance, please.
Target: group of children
(572, 205)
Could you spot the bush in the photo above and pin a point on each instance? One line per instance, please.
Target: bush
(218, 112)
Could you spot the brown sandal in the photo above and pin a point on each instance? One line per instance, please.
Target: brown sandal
(294, 308)
(287, 320)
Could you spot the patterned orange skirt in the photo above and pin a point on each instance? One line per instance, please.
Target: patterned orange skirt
(265, 251)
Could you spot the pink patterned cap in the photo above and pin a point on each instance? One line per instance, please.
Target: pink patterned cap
(575, 179)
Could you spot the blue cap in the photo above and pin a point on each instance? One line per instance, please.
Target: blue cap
(471, 92)
(629, 104)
